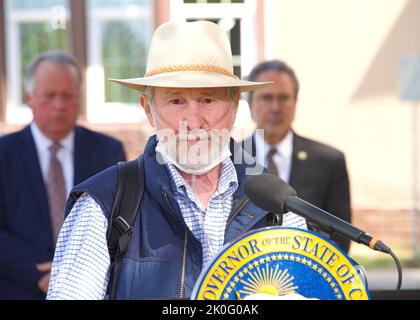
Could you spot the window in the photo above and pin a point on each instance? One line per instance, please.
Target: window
(118, 36)
(239, 19)
(233, 30)
(118, 39)
(32, 27)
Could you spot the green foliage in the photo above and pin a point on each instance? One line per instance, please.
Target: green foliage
(123, 56)
(36, 38)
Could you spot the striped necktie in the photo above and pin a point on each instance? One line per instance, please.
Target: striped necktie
(56, 190)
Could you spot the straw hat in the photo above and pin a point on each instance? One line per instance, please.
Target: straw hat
(190, 55)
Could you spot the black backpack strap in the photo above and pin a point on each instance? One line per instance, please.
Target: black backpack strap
(130, 190)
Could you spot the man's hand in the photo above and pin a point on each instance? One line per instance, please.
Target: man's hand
(45, 279)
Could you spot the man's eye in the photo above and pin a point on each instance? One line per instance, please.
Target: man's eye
(267, 98)
(206, 101)
(68, 96)
(175, 101)
(49, 95)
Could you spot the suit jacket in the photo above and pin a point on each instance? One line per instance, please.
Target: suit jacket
(25, 229)
(319, 176)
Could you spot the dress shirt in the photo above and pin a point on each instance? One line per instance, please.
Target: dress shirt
(282, 159)
(65, 154)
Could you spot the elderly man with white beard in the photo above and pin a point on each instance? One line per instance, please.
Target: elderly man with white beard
(194, 200)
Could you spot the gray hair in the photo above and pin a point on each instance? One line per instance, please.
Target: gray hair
(273, 65)
(56, 57)
(149, 92)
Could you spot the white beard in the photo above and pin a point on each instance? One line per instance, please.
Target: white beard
(198, 158)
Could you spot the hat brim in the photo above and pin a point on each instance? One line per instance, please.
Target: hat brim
(188, 79)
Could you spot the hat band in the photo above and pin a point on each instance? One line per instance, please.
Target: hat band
(191, 67)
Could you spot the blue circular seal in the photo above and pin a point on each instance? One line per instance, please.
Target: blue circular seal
(280, 261)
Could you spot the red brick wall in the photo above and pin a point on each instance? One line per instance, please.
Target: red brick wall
(392, 226)
(133, 136)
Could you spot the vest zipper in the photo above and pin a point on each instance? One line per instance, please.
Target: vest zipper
(236, 212)
(184, 252)
(184, 263)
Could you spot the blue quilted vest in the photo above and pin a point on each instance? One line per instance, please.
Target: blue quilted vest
(164, 259)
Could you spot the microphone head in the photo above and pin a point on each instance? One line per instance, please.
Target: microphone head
(268, 192)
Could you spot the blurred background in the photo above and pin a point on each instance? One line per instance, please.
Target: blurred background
(357, 61)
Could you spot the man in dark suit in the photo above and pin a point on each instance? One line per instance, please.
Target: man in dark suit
(316, 171)
(38, 167)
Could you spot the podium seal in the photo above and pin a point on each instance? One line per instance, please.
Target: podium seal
(280, 261)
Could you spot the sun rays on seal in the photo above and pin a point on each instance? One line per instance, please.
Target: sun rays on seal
(272, 281)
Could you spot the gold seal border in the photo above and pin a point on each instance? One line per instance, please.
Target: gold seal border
(274, 240)
(285, 256)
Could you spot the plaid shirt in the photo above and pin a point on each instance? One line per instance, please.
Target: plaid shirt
(207, 224)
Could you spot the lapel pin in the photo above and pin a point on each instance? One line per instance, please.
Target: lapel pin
(302, 155)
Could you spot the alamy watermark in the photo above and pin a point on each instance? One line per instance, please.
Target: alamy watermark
(202, 147)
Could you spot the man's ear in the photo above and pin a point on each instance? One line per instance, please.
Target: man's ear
(144, 102)
(236, 100)
(27, 97)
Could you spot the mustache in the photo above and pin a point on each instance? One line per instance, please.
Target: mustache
(276, 114)
(193, 135)
(196, 135)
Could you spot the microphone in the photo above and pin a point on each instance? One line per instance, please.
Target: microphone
(272, 194)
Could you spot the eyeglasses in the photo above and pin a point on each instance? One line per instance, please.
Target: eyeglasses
(268, 99)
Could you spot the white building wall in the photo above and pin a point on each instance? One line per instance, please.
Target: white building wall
(346, 54)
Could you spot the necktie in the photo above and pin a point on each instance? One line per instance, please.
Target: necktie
(271, 166)
(56, 190)
(273, 219)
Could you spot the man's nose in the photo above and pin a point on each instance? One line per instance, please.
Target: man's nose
(59, 101)
(276, 104)
(193, 116)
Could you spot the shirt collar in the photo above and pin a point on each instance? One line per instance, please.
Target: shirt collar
(284, 147)
(228, 180)
(44, 142)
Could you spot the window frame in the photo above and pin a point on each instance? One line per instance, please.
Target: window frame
(16, 111)
(246, 12)
(100, 111)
